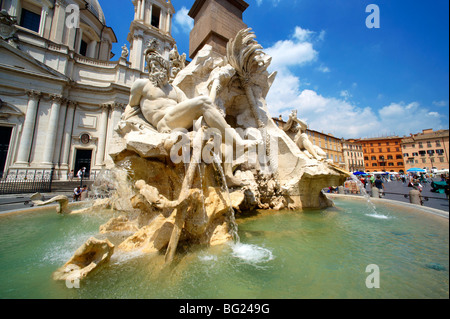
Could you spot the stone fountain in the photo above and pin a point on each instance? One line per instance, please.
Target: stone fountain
(195, 146)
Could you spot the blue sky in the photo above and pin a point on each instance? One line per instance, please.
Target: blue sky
(342, 77)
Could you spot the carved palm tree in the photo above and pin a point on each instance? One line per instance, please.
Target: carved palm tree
(245, 55)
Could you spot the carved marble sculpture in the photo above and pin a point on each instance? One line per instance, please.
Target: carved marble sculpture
(8, 28)
(61, 200)
(194, 202)
(89, 257)
(302, 140)
(125, 52)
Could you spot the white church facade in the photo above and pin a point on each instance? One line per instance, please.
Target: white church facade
(61, 90)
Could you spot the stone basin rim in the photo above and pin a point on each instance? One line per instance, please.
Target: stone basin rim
(390, 202)
(78, 205)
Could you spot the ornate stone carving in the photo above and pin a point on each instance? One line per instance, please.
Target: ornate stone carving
(34, 95)
(125, 52)
(173, 202)
(8, 28)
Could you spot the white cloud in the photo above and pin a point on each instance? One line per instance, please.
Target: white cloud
(440, 103)
(336, 115)
(274, 2)
(404, 118)
(296, 51)
(302, 34)
(290, 53)
(345, 94)
(183, 21)
(324, 69)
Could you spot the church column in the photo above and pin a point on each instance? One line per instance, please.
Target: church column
(79, 37)
(168, 23)
(139, 9)
(138, 40)
(44, 13)
(102, 135)
(135, 2)
(91, 49)
(12, 11)
(52, 128)
(68, 126)
(58, 24)
(28, 127)
(60, 133)
(142, 16)
(148, 13)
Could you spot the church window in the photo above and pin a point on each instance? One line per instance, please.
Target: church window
(30, 20)
(156, 13)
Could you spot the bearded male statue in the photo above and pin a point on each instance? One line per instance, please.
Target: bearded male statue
(167, 108)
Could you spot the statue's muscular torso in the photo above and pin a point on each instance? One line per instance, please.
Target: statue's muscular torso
(154, 101)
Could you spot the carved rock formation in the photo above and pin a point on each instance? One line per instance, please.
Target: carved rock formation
(61, 200)
(90, 256)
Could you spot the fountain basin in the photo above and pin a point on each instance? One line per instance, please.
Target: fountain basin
(286, 254)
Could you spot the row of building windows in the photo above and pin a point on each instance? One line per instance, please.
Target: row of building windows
(424, 160)
(384, 164)
(380, 150)
(424, 153)
(334, 158)
(421, 144)
(354, 154)
(379, 144)
(389, 157)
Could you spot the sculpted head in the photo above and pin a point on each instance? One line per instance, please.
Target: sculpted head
(159, 68)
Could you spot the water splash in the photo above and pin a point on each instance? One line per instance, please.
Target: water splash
(252, 254)
(370, 204)
(207, 258)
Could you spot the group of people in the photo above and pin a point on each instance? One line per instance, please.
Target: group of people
(80, 174)
(80, 194)
(377, 182)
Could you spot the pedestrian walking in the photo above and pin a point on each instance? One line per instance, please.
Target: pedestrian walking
(380, 185)
(70, 176)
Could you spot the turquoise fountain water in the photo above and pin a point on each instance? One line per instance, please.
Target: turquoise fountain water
(314, 254)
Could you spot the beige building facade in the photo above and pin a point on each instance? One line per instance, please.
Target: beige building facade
(330, 144)
(353, 156)
(61, 95)
(428, 150)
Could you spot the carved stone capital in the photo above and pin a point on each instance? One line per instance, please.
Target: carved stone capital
(106, 106)
(71, 103)
(118, 106)
(34, 95)
(56, 98)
